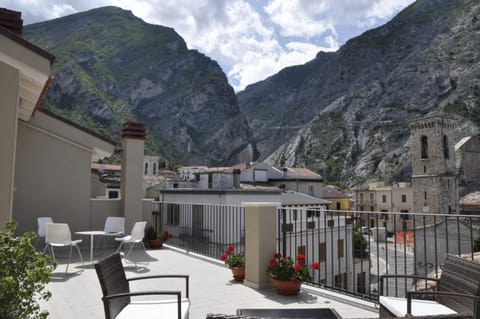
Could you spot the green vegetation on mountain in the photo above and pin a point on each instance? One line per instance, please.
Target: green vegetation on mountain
(112, 67)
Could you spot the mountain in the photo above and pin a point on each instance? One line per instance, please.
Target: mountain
(112, 67)
(345, 114)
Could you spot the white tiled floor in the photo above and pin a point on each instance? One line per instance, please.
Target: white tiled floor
(212, 289)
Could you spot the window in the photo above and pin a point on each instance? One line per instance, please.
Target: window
(361, 197)
(445, 146)
(322, 252)
(146, 169)
(340, 248)
(313, 213)
(404, 198)
(339, 206)
(173, 214)
(424, 146)
(310, 190)
(384, 198)
(154, 168)
(371, 197)
(425, 195)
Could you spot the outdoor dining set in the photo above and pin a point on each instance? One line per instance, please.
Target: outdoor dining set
(59, 235)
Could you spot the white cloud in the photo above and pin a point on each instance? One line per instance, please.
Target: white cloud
(250, 39)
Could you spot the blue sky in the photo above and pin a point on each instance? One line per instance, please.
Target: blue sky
(250, 39)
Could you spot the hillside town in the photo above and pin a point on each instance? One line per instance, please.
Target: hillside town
(82, 214)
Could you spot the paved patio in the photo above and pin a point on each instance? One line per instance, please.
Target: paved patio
(212, 290)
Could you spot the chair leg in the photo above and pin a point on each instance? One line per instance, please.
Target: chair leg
(80, 254)
(69, 258)
(119, 247)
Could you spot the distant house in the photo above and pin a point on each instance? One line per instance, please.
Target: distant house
(378, 197)
(340, 200)
(467, 158)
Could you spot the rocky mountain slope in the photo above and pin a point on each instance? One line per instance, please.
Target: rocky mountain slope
(111, 67)
(345, 114)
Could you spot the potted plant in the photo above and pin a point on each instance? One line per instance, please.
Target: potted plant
(236, 262)
(156, 239)
(287, 275)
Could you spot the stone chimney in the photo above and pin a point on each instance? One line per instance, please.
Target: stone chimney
(133, 140)
(11, 20)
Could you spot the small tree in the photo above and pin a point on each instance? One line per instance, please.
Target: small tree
(24, 272)
(360, 244)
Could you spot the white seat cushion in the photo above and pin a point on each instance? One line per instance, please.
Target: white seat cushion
(398, 307)
(164, 309)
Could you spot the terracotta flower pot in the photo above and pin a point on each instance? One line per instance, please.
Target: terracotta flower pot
(238, 273)
(286, 287)
(155, 243)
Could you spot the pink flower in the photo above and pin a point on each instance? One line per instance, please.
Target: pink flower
(315, 265)
(297, 267)
(277, 256)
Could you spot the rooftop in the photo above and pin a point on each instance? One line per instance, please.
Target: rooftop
(212, 290)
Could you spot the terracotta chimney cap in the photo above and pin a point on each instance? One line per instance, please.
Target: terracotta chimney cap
(134, 130)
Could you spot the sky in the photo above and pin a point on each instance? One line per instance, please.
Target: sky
(250, 39)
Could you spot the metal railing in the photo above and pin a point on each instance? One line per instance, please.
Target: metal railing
(353, 255)
(205, 229)
(353, 248)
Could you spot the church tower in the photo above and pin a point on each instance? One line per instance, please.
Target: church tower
(434, 181)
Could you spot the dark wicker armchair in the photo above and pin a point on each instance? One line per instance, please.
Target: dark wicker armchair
(117, 299)
(457, 291)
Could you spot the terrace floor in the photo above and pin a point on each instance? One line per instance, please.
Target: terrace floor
(212, 290)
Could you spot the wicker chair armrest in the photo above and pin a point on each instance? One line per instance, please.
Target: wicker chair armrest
(382, 277)
(186, 277)
(410, 294)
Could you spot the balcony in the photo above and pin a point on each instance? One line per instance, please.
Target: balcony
(351, 262)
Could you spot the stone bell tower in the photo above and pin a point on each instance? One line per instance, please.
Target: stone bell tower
(434, 181)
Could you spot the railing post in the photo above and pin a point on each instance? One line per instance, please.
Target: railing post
(260, 242)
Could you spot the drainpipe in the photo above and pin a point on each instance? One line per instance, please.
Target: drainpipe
(133, 140)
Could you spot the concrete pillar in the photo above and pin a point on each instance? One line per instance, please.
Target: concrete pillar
(260, 242)
(8, 138)
(133, 140)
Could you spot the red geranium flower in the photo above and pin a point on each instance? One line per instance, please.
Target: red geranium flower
(297, 267)
(272, 263)
(315, 265)
(301, 257)
(277, 256)
(223, 257)
(231, 248)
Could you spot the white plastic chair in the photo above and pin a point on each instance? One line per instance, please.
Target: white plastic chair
(136, 237)
(59, 235)
(42, 228)
(114, 226)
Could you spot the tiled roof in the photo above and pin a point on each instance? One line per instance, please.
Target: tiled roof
(295, 198)
(106, 167)
(330, 192)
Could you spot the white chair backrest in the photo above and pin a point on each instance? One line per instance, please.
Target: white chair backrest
(42, 222)
(58, 233)
(114, 225)
(138, 231)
